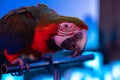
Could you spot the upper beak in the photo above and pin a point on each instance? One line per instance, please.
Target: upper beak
(76, 42)
(80, 40)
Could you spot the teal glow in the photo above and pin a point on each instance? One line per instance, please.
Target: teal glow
(77, 76)
(96, 63)
(108, 76)
(10, 77)
(116, 70)
(80, 74)
(111, 71)
(44, 77)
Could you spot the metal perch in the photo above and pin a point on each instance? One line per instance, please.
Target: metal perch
(10, 68)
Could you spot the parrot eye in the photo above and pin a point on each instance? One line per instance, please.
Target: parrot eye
(66, 25)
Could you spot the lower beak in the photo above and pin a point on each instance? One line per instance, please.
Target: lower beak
(77, 42)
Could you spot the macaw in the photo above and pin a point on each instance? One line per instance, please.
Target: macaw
(36, 30)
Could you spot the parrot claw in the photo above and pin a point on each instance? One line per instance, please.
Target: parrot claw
(21, 63)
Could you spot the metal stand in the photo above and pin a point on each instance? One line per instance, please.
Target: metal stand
(13, 68)
(57, 73)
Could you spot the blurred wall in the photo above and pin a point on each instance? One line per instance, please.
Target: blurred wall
(110, 29)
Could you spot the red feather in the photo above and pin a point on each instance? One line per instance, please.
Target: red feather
(11, 57)
(41, 36)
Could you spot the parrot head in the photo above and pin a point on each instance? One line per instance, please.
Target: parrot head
(71, 32)
(71, 37)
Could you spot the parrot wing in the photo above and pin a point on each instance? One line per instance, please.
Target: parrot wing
(16, 32)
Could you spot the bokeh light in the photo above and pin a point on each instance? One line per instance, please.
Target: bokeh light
(10, 77)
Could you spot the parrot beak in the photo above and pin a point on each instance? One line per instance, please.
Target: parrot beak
(76, 41)
(79, 41)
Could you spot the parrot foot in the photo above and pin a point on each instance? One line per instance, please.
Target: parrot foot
(22, 65)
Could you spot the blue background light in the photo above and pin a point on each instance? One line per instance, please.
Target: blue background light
(10, 77)
(108, 76)
(96, 63)
(80, 74)
(116, 70)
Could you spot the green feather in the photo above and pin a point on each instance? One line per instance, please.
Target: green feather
(45, 15)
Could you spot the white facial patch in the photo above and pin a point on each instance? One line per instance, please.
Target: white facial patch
(71, 31)
(67, 29)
